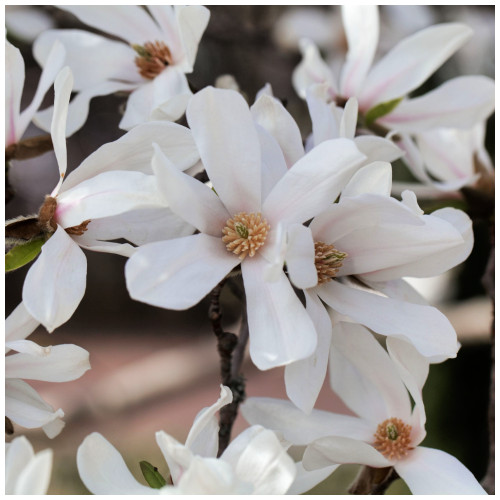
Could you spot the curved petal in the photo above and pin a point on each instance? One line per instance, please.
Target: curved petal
(34, 479)
(177, 274)
(229, 147)
(305, 480)
(433, 472)
(423, 326)
(280, 328)
(19, 324)
(349, 119)
(411, 62)
(300, 257)
(378, 148)
(165, 17)
(374, 178)
(14, 82)
(324, 114)
(178, 456)
(17, 454)
(103, 470)
(55, 283)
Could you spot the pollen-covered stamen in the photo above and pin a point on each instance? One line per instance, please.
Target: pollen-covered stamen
(153, 58)
(392, 438)
(328, 261)
(245, 233)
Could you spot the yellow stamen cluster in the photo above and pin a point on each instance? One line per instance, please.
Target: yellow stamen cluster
(392, 438)
(245, 233)
(152, 59)
(328, 261)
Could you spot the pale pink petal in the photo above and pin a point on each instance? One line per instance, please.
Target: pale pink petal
(361, 25)
(103, 470)
(55, 283)
(166, 18)
(411, 62)
(304, 378)
(14, 82)
(423, 326)
(177, 274)
(300, 257)
(229, 147)
(374, 178)
(281, 331)
(433, 472)
(19, 324)
(188, 197)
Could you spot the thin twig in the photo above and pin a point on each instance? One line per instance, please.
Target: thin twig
(373, 481)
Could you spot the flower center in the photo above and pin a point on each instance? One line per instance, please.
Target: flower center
(392, 438)
(328, 261)
(152, 59)
(47, 222)
(245, 233)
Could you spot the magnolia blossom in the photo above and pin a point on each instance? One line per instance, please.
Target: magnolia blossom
(156, 48)
(374, 384)
(254, 199)
(254, 463)
(61, 363)
(26, 472)
(464, 100)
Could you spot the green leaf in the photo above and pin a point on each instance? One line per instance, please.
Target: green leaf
(151, 475)
(21, 255)
(382, 109)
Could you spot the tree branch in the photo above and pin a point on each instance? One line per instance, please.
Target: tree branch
(373, 481)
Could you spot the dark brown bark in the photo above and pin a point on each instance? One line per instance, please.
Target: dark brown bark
(373, 481)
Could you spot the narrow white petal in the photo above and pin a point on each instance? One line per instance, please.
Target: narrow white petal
(17, 454)
(300, 256)
(378, 148)
(306, 479)
(14, 82)
(19, 324)
(374, 178)
(325, 124)
(178, 456)
(55, 283)
(34, 479)
(349, 119)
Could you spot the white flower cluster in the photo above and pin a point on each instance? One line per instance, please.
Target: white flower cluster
(322, 246)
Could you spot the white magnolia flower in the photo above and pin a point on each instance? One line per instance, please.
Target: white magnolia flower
(61, 363)
(16, 122)
(365, 243)
(388, 432)
(462, 101)
(156, 48)
(254, 463)
(26, 472)
(257, 199)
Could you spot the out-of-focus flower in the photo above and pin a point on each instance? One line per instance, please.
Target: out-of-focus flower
(387, 432)
(257, 199)
(61, 363)
(156, 48)
(26, 472)
(25, 22)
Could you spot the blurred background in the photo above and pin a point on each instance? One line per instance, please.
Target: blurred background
(155, 369)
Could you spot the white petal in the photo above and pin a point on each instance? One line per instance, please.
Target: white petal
(280, 328)
(60, 363)
(203, 438)
(124, 249)
(361, 25)
(460, 102)
(17, 454)
(433, 472)
(423, 326)
(103, 470)
(19, 324)
(323, 114)
(313, 183)
(304, 378)
(378, 148)
(411, 62)
(178, 456)
(14, 82)
(349, 119)
(34, 479)
(188, 197)
(165, 17)
(55, 283)
(300, 256)
(229, 147)
(305, 480)
(177, 274)
(374, 178)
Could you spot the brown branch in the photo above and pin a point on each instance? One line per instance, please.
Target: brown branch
(373, 481)
(29, 148)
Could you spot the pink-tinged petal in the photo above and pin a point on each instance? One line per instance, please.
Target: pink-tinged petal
(178, 456)
(378, 148)
(177, 274)
(299, 428)
(25, 407)
(34, 478)
(364, 377)
(313, 183)
(304, 378)
(106, 194)
(134, 151)
(361, 25)
(14, 82)
(19, 324)
(60, 363)
(312, 69)
(325, 116)
(281, 331)
(305, 480)
(299, 257)
(93, 59)
(225, 134)
(374, 178)
(427, 471)
(203, 438)
(55, 283)
(128, 22)
(411, 62)
(423, 326)
(460, 102)
(349, 119)
(103, 470)
(270, 114)
(165, 17)
(188, 197)
(341, 450)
